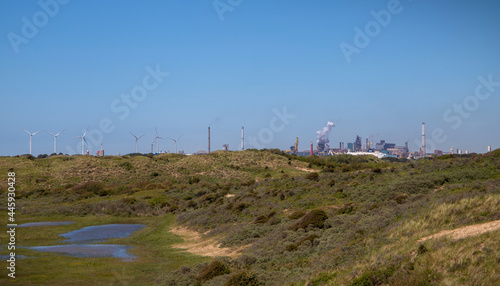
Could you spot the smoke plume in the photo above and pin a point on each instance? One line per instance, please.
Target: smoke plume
(323, 133)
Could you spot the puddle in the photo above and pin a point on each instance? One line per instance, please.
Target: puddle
(101, 233)
(83, 238)
(89, 250)
(45, 223)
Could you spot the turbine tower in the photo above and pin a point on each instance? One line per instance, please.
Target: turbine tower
(175, 141)
(55, 140)
(136, 139)
(157, 139)
(31, 135)
(83, 139)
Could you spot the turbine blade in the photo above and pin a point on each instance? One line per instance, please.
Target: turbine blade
(59, 133)
(141, 136)
(85, 132)
(26, 131)
(133, 135)
(49, 133)
(36, 132)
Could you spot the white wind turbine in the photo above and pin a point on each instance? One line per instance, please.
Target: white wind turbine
(136, 139)
(83, 139)
(157, 139)
(175, 141)
(31, 135)
(55, 139)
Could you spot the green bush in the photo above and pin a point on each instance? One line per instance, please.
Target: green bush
(313, 176)
(126, 165)
(296, 215)
(88, 188)
(213, 269)
(316, 218)
(243, 279)
(375, 277)
(129, 200)
(261, 219)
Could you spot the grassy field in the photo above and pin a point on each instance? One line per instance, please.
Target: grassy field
(151, 246)
(341, 220)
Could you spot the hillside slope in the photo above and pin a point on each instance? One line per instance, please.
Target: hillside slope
(341, 220)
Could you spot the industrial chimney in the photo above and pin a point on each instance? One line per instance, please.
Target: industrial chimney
(423, 139)
(208, 139)
(242, 138)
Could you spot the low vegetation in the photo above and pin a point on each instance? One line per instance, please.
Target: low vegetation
(340, 220)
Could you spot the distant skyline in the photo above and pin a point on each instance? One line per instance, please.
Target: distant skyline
(281, 69)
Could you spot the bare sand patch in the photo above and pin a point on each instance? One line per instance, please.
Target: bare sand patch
(465, 231)
(306, 170)
(195, 243)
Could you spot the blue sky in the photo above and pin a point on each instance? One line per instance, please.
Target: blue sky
(245, 65)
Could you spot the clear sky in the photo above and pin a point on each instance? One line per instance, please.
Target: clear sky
(282, 69)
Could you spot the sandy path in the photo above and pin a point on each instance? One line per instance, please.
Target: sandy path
(196, 244)
(306, 170)
(465, 231)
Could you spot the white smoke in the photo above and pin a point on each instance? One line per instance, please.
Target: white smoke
(323, 133)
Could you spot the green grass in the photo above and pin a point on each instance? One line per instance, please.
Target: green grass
(152, 246)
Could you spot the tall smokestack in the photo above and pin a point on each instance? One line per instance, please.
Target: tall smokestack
(311, 147)
(489, 148)
(242, 138)
(208, 139)
(323, 135)
(423, 139)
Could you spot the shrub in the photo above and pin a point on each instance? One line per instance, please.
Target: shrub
(261, 219)
(240, 207)
(194, 180)
(243, 279)
(315, 217)
(291, 247)
(346, 209)
(213, 269)
(401, 198)
(296, 215)
(126, 165)
(377, 277)
(88, 188)
(129, 200)
(313, 176)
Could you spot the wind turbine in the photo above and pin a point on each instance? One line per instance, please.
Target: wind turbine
(157, 141)
(136, 139)
(83, 138)
(175, 141)
(31, 135)
(55, 140)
